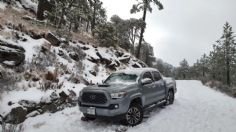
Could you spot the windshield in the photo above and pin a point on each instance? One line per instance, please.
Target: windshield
(121, 78)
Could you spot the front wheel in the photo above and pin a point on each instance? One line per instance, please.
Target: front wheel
(87, 118)
(134, 115)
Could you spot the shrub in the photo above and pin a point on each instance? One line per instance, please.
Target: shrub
(8, 79)
(12, 128)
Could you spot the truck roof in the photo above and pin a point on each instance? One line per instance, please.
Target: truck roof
(136, 71)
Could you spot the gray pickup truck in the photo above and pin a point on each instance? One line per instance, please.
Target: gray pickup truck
(126, 94)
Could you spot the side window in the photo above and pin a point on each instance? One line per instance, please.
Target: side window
(147, 75)
(156, 76)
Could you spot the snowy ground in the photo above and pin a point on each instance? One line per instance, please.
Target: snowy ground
(196, 109)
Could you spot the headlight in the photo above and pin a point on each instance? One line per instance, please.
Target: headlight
(118, 95)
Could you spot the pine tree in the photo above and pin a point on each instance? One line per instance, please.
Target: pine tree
(144, 5)
(183, 70)
(227, 48)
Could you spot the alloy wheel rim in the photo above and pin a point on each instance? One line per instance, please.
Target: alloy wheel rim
(133, 115)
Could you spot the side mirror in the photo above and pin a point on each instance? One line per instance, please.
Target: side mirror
(146, 81)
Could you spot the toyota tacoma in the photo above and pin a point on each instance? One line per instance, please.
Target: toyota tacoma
(126, 94)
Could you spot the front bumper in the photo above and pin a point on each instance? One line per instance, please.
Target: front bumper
(108, 109)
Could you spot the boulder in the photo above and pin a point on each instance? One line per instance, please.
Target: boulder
(16, 116)
(52, 39)
(11, 55)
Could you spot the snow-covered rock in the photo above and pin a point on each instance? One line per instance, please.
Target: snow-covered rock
(11, 55)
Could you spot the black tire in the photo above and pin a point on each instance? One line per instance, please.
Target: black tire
(170, 98)
(87, 117)
(134, 115)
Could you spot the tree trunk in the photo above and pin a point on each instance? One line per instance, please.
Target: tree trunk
(228, 71)
(94, 19)
(61, 18)
(142, 29)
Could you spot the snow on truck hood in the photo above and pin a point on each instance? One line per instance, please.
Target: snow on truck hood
(109, 87)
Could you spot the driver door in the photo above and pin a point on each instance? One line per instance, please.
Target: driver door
(147, 89)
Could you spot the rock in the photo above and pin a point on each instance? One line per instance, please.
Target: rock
(52, 39)
(84, 48)
(82, 42)
(50, 107)
(99, 55)
(74, 56)
(125, 60)
(34, 35)
(54, 96)
(60, 53)
(112, 66)
(46, 47)
(93, 60)
(10, 103)
(142, 64)
(29, 105)
(11, 53)
(93, 72)
(106, 61)
(86, 82)
(33, 114)
(135, 65)
(16, 116)
(63, 95)
(72, 94)
(119, 54)
(117, 63)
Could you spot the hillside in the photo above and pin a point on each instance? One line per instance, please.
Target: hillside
(41, 72)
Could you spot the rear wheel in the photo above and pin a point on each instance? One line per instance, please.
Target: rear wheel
(134, 115)
(170, 98)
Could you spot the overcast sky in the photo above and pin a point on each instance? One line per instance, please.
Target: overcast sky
(184, 29)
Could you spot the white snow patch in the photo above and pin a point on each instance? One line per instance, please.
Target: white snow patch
(2, 5)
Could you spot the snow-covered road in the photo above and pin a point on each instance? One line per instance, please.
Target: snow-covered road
(196, 109)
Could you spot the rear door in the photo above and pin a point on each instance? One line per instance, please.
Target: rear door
(159, 86)
(147, 89)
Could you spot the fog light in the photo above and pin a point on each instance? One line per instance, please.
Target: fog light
(116, 106)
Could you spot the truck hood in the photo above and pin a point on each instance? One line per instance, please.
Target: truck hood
(108, 87)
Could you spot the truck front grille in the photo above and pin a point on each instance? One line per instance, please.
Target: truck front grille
(94, 98)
